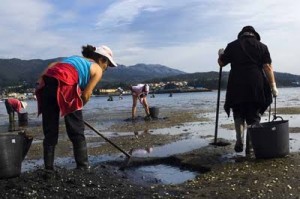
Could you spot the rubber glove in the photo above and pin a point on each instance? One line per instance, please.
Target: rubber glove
(221, 51)
(274, 90)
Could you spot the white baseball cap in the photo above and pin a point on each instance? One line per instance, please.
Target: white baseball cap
(147, 88)
(106, 51)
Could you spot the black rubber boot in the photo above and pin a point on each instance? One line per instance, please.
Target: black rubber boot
(249, 148)
(11, 117)
(49, 152)
(80, 154)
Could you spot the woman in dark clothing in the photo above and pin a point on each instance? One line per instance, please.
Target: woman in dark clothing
(251, 81)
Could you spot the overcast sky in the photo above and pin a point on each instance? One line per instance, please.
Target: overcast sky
(181, 34)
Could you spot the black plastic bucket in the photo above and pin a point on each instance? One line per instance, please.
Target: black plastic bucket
(23, 118)
(271, 139)
(154, 111)
(13, 149)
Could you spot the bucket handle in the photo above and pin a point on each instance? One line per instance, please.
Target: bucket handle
(275, 116)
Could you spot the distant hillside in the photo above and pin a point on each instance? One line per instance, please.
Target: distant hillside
(210, 79)
(14, 71)
(287, 79)
(138, 73)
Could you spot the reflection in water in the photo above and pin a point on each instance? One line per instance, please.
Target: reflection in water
(145, 132)
(140, 151)
(159, 174)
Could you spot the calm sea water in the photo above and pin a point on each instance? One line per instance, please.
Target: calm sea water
(288, 97)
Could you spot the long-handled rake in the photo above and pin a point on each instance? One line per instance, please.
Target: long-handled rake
(216, 143)
(106, 139)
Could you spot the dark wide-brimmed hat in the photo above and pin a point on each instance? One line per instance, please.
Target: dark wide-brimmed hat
(249, 29)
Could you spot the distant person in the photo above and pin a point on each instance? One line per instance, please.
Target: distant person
(121, 91)
(63, 89)
(140, 92)
(110, 98)
(14, 105)
(251, 81)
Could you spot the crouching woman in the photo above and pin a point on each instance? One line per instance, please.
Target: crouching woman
(63, 89)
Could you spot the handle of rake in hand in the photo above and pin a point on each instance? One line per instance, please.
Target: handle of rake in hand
(218, 104)
(106, 139)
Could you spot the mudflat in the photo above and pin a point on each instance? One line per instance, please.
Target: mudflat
(218, 175)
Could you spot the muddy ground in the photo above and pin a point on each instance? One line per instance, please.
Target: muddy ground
(236, 177)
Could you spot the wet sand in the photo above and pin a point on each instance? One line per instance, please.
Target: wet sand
(219, 175)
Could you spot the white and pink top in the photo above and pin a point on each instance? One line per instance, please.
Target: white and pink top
(140, 89)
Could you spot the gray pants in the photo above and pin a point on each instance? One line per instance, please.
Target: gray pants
(245, 113)
(249, 112)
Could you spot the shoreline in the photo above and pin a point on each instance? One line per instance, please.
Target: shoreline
(157, 92)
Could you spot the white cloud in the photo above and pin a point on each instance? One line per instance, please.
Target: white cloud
(181, 34)
(124, 12)
(22, 23)
(27, 15)
(219, 23)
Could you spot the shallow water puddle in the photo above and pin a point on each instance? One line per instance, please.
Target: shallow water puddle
(67, 162)
(159, 174)
(178, 147)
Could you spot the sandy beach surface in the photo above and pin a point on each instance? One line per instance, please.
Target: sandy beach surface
(179, 141)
